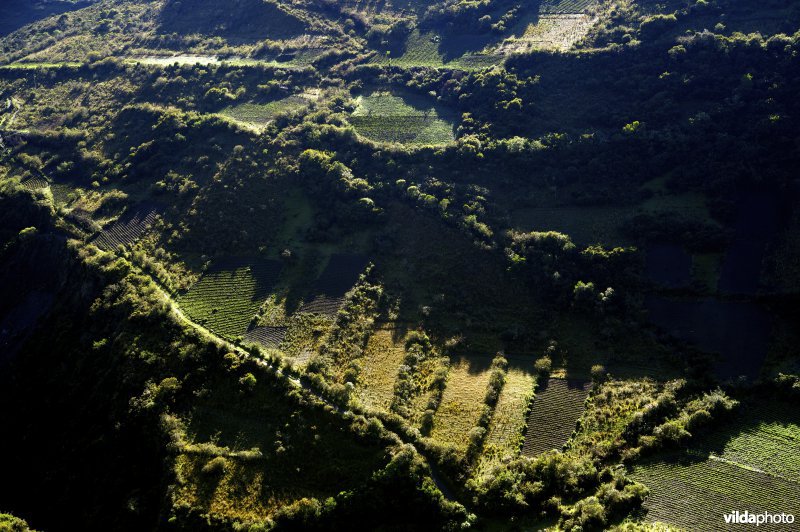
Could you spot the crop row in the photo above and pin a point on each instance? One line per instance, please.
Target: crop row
(764, 436)
(128, 229)
(695, 493)
(404, 129)
(266, 336)
(566, 6)
(227, 297)
(554, 414)
(340, 275)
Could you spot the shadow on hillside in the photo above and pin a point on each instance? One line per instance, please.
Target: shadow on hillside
(237, 21)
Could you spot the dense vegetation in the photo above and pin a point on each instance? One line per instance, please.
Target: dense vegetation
(294, 265)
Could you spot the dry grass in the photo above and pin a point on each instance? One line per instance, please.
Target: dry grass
(509, 415)
(462, 402)
(382, 357)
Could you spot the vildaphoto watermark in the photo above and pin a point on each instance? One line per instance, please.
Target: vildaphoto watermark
(764, 518)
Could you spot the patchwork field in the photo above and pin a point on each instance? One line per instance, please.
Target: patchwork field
(555, 411)
(382, 358)
(406, 119)
(462, 402)
(226, 298)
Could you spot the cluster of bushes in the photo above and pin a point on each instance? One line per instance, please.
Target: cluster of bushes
(350, 333)
(477, 435)
(410, 382)
(570, 488)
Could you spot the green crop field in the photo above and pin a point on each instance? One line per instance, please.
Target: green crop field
(555, 411)
(756, 450)
(462, 402)
(427, 49)
(258, 115)
(406, 119)
(694, 493)
(382, 358)
(227, 297)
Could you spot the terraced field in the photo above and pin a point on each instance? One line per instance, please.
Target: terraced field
(339, 276)
(227, 297)
(403, 119)
(382, 358)
(462, 402)
(129, 228)
(553, 416)
(35, 183)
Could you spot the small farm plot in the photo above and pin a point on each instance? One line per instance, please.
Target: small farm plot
(129, 228)
(750, 464)
(506, 430)
(257, 116)
(339, 276)
(427, 49)
(561, 7)
(270, 337)
(553, 416)
(227, 297)
(405, 119)
(509, 420)
(382, 358)
(764, 436)
(462, 402)
(695, 493)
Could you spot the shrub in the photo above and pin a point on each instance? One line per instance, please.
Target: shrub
(215, 466)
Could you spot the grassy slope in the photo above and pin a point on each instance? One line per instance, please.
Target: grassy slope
(382, 358)
(462, 402)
